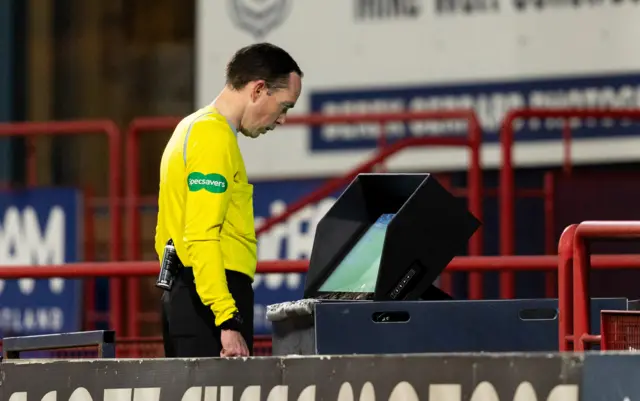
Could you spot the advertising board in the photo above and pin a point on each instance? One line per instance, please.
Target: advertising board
(40, 226)
(390, 55)
(513, 377)
(617, 371)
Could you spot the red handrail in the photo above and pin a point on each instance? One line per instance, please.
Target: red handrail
(507, 181)
(458, 264)
(132, 181)
(132, 162)
(565, 287)
(591, 230)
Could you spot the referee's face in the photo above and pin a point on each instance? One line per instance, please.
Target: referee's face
(270, 106)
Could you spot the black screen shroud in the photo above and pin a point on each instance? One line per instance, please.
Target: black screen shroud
(430, 227)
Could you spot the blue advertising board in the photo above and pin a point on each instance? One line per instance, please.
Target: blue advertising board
(38, 227)
(491, 101)
(291, 240)
(611, 376)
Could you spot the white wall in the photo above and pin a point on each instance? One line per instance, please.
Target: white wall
(493, 58)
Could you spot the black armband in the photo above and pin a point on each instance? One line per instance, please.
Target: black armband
(234, 323)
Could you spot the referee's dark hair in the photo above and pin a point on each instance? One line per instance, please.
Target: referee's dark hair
(261, 61)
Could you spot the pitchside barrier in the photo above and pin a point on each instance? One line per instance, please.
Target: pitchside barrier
(444, 377)
(436, 377)
(455, 377)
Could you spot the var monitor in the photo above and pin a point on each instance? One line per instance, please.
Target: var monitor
(388, 237)
(358, 271)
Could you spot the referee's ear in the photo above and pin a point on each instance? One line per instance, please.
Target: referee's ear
(258, 88)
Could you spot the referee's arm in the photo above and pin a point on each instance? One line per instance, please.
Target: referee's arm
(209, 173)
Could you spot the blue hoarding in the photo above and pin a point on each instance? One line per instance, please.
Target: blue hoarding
(38, 227)
(291, 240)
(611, 377)
(490, 100)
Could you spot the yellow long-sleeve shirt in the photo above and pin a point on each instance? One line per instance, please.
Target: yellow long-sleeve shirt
(206, 206)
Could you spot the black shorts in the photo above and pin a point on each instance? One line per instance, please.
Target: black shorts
(188, 326)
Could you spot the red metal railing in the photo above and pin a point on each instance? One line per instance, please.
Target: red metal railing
(575, 262)
(132, 163)
(458, 264)
(507, 181)
(572, 281)
(547, 194)
(133, 200)
(112, 132)
(133, 203)
(565, 287)
(478, 264)
(472, 141)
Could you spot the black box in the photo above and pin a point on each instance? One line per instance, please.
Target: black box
(510, 325)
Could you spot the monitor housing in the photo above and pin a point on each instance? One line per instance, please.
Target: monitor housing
(388, 237)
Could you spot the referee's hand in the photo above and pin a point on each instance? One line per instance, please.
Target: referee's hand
(233, 344)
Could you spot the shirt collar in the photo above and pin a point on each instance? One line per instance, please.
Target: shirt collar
(233, 128)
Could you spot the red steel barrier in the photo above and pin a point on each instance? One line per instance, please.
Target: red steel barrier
(582, 262)
(472, 141)
(507, 181)
(111, 131)
(458, 264)
(132, 205)
(479, 264)
(547, 194)
(132, 163)
(574, 262)
(565, 288)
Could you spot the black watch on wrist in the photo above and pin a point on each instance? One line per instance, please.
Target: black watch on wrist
(234, 323)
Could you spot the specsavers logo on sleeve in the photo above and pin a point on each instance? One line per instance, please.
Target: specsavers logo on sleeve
(214, 183)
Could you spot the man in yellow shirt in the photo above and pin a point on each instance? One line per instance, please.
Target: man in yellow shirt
(206, 206)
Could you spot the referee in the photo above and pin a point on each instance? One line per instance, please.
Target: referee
(206, 207)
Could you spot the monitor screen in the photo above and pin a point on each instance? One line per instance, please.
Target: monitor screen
(358, 271)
